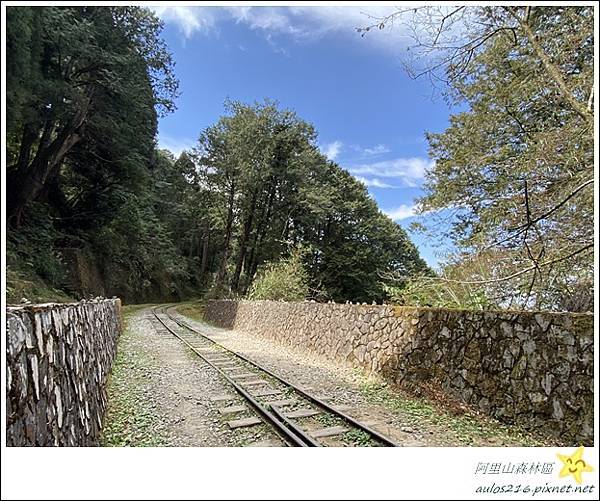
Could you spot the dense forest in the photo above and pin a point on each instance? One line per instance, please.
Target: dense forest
(254, 209)
(94, 207)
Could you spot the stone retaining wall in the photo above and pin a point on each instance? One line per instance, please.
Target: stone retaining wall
(530, 368)
(58, 358)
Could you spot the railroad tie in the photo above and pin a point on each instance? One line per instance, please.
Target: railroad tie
(242, 423)
(221, 398)
(328, 432)
(266, 393)
(300, 413)
(243, 375)
(226, 367)
(232, 409)
(281, 403)
(254, 382)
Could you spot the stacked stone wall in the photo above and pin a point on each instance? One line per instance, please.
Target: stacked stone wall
(58, 357)
(530, 368)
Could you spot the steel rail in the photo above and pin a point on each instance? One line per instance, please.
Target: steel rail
(285, 433)
(320, 403)
(299, 431)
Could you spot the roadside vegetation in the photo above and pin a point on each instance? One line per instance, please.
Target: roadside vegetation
(131, 419)
(457, 422)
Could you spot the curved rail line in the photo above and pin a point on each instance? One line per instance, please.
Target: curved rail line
(288, 436)
(286, 428)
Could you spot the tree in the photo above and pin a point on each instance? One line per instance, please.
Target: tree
(76, 60)
(85, 86)
(517, 166)
(92, 200)
(275, 192)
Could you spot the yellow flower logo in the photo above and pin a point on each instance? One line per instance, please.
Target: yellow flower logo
(574, 465)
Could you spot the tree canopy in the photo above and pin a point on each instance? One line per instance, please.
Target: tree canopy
(516, 168)
(95, 207)
(273, 191)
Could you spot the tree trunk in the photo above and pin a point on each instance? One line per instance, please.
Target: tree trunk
(29, 177)
(261, 230)
(204, 258)
(221, 274)
(235, 281)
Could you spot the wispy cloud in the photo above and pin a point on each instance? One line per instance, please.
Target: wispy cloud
(188, 20)
(380, 149)
(277, 48)
(369, 152)
(410, 170)
(301, 23)
(332, 150)
(402, 212)
(264, 18)
(374, 182)
(175, 145)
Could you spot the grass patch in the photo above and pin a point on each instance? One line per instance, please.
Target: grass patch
(131, 420)
(465, 429)
(329, 420)
(193, 309)
(358, 438)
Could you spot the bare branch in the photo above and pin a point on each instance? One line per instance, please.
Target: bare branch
(560, 204)
(521, 272)
(444, 19)
(519, 230)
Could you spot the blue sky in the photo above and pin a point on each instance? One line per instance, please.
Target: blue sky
(370, 115)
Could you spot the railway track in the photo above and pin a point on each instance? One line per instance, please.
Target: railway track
(297, 417)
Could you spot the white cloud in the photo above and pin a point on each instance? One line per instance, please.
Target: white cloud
(410, 170)
(175, 145)
(332, 150)
(277, 48)
(374, 182)
(189, 20)
(264, 18)
(402, 212)
(300, 23)
(380, 149)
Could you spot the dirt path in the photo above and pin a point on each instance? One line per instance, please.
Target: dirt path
(162, 394)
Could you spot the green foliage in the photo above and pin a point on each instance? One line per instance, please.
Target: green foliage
(85, 89)
(285, 280)
(516, 167)
(358, 438)
(427, 291)
(270, 189)
(35, 267)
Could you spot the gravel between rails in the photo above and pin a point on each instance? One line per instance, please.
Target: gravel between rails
(178, 386)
